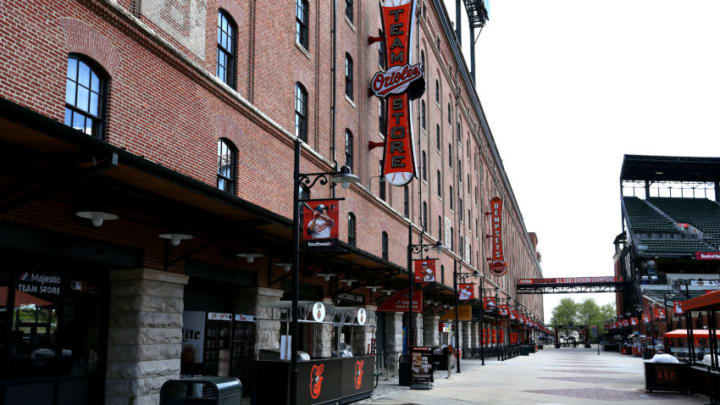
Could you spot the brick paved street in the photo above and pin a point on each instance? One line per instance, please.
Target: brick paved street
(550, 377)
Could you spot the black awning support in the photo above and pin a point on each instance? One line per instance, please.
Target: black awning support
(29, 192)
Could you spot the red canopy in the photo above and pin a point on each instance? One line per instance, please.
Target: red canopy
(682, 334)
(707, 302)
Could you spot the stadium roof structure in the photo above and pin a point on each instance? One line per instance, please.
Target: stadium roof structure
(670, 168)
(477, 12)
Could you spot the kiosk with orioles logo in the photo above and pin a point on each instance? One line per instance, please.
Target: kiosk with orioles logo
(320, 380)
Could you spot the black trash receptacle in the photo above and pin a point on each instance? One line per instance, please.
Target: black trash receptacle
(404, 370)
(201, 390)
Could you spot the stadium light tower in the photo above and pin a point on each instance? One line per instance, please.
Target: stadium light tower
(477, 12)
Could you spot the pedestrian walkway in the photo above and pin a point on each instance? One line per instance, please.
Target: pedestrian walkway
(549, 377)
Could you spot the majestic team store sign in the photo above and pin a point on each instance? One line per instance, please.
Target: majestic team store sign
(399, 84)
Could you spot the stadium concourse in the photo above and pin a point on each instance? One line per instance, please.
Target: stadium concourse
(668, 249)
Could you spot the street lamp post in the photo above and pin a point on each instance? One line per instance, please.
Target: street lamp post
(414, 249)
(307, 180)
(457, 276)
(482, 321)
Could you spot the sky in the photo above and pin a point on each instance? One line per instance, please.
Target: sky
(569, 87)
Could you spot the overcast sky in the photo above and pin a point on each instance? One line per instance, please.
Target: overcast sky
(569, 86)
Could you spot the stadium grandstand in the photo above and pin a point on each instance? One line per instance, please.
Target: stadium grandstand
(669, 247)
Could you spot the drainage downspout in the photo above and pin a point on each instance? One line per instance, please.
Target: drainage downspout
(333, 108)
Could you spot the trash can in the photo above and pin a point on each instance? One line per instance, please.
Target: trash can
(201, 390)
(404, 377)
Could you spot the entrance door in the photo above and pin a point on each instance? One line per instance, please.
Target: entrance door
(53, 324)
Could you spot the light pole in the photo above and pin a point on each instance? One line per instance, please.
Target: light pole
(457, 276)
(415, 249)
(306, 180)
(482, 321)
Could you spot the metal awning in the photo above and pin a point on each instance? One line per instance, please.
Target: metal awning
(61, 163)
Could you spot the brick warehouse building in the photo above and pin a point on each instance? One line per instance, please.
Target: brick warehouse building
(179, 118)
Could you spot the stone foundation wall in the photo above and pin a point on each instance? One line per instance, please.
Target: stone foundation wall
(144, 335)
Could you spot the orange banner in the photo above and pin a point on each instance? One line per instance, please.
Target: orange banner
(398, 83)
(425, 270)
(497, 261)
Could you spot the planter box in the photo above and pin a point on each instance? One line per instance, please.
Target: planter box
(667, 377)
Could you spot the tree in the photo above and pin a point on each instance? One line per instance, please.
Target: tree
(565, 313)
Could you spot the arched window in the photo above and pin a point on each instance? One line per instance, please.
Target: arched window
(381, 117)
(301, 23)
(406, 201)
(422, 60)
(424, 165)
(437, 135)
(450, 114)
(425, 216)
(226, 49)
(437, 91)
(467, 149)
(348, 149)
(85, 95)
(385, 245)
(450, 159)
(452, 239)
(352, 230)
(349, 10)
(440, 228)
(439, 184)
(226, 155)
(348, 76)
(301, 97)
(422, 113)
(442, 273)
(451, 197)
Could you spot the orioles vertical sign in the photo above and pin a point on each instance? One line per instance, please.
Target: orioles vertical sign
(497, 261)
(399, 84)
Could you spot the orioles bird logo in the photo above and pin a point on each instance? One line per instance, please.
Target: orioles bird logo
(359, 370)
(316, 380)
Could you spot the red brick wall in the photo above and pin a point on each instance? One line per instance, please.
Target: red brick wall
(165, 104)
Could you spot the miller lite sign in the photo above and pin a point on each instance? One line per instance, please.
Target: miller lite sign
(399, 84)
(497, 261)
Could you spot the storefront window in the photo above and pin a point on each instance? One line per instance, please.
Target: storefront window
(51, 327)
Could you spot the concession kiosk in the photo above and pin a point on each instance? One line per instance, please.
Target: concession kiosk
(328, 372)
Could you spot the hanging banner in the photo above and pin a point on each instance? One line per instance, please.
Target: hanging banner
(634, 321)
(466, 291)
(489, 303)
(320, 223)
(503, 310)
(677, 307)
(659, 313)
(513, 315)
(399, 84)
(497, 264)
(626, 323)
(398, 302)
(645, 318)
(425, 270)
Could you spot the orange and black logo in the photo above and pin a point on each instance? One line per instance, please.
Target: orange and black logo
(359, 371)
(316, 380)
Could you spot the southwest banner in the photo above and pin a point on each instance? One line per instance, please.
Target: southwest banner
(489, 303)
(320, 223)
(425, 270)
(497, 261)
(677, 307)
(659, 313)
(399, 84)
(466, 291)
(503, 310)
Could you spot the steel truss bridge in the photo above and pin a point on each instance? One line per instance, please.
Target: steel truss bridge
(570, 285)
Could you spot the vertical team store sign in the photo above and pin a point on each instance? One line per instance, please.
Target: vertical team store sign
(497, 265)
(398, 85)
